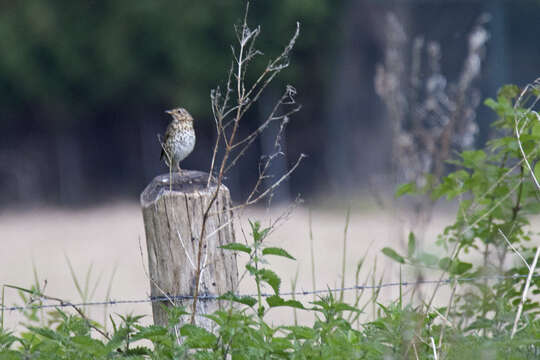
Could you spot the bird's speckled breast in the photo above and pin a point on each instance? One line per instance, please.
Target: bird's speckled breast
(184, 143)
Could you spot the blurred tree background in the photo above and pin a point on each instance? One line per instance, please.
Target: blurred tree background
(84, 86)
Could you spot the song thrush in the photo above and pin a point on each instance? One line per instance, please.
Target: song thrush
(179, 138)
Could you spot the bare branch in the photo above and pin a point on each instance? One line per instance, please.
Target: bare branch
(286, 99)
(227, 118)
(274, 67)
(277, 183)
(525, 292)
(519, 103)
(514, 249)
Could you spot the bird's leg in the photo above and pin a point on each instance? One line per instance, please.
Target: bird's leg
(179, 170)
(170, 176)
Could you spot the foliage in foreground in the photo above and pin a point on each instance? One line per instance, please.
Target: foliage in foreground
(399, 332)
(496, 197)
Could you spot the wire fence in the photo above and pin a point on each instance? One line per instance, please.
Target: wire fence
(152, 299)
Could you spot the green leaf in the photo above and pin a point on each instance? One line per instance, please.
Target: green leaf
(455, 267)
(90, 345)
(266, 275)
(492, 104)
(257, 233)
(137, 351)
(536, 129)
(537, 171)
(481, 323)
(152, 332)
(531, 208)
(252, 269)
(198, 337)
(393, 255)
(275, 300)
(445, 263)
(279, 344)
(459, 268)
(271, 278)
(428, 259)
(452, 185)
(407, 188)
(340, 306)
(236, 247)
(278, 252)
(245, 300)
(301, 332)
(508, 91)
(411, 246)
(473, 158)
(118, 338)
(174, 313)
(47, 333)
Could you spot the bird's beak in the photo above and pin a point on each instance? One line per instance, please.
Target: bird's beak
(168, 111)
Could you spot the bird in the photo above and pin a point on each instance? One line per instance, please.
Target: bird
(179, 138)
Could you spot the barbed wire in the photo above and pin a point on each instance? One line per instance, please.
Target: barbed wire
(201, 297)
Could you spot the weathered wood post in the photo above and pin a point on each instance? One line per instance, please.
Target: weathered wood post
(173, 222)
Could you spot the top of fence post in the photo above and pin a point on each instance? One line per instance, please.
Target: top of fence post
(187, 181)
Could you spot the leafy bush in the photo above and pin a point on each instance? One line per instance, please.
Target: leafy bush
(497, 193)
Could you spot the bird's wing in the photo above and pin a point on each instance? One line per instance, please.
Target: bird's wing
(165, 139)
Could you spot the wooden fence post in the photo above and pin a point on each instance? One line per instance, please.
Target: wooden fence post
(173, 221)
